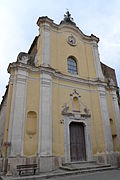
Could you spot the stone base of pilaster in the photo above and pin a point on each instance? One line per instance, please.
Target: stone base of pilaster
(49, 163)
(1, 164)
(13, 161)
(112, 158)
(45, 163)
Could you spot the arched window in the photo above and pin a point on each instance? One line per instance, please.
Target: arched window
(72, 65)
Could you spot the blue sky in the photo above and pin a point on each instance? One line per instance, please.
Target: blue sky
(18, 27)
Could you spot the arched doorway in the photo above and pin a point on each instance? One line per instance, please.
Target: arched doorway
(77, 142)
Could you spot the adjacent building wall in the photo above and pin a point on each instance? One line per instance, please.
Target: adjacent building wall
(3, 112)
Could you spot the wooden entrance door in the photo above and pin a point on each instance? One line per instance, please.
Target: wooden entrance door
(77, 142)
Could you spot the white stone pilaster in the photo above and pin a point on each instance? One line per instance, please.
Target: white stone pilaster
(117, 114)
(45, 116)
(45, 44)
(88, 140)
(17, 114)
(67, 140)
(105, 120)
(98, 69)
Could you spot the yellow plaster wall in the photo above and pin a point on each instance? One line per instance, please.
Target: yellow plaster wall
(89, 96)
(96, 122)
(60, 50)
(32, 105)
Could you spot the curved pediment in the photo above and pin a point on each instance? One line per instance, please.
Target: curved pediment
(74, 28)
(67, 24)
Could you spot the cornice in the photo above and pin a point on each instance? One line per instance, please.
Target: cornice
(25, 67)
(4, 97)
(44, 19)
(90, 38)
(47, 69)
(55, 27)
(75, 116)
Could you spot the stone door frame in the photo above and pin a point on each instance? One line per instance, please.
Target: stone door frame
(85, 119)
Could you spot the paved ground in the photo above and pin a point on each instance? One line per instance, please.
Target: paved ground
(103, 175)
(106, 175)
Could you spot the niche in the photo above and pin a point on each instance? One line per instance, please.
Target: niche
(31, 126)
(76, 106)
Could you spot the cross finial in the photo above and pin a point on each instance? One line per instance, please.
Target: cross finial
(68, 18)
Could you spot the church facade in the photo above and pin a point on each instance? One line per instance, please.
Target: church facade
(61, 103)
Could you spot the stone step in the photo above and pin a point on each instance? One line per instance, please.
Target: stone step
(73, 166)
(94, 170)
(79, 162)
(84, 167)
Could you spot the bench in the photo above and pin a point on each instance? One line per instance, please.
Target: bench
(27, 168)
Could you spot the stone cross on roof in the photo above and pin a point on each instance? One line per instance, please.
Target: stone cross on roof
(68, 18)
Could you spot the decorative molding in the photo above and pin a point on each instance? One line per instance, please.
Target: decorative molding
(57, 74)
(23, 57)
(61, 121)
(102, 94)
(65, 108)
(73, 95)
(46, 27)
(73, 115)
(71, 40)
(68, 26)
